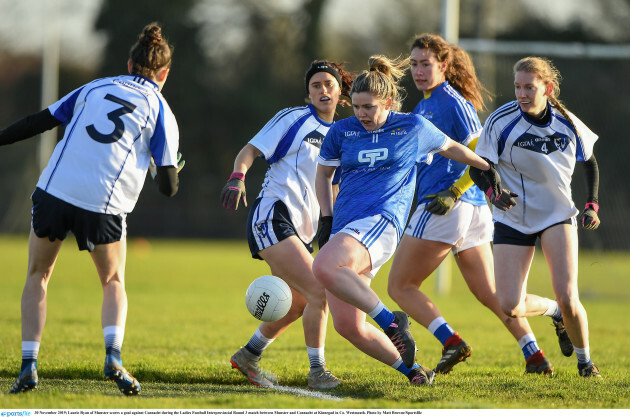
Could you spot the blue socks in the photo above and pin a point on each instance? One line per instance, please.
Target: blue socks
(441, 330)
(382, 316)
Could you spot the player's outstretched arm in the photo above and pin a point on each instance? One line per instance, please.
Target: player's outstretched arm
(28, 126)
(490, 183)
(444, 201)
(234, 190)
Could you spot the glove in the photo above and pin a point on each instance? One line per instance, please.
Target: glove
(443, 201)
(494, 180)
(504, 200)
(589, 218)
(180, 162)
(323, 230)
(233, 190)
(153, 168)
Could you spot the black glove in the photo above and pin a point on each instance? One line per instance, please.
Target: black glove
(589, 218)
(323, 230)
(494, 180)
(443, 201)
(233, 191)
(504, 200)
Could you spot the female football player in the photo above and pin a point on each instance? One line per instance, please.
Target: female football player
(377, 151)
(451, 212)
(534, 141)
(114, 129)
(283, 220)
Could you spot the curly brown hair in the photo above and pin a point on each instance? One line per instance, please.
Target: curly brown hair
(151, 52)
(460, 71)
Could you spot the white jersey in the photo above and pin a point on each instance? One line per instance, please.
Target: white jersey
(112, 128)
(290, 143)
(536, 162)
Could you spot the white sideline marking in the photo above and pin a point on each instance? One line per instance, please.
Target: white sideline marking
(306, 393)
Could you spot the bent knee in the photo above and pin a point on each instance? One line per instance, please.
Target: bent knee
(395, 290)
(512, 309)
(324, 272)
(569, 304)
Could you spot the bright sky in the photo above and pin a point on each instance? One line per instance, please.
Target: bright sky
(25, 23)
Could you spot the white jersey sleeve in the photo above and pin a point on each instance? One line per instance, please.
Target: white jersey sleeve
(585, 141)
(278, 128)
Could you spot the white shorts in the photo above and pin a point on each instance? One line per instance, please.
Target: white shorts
(464, 227)
(378, 235)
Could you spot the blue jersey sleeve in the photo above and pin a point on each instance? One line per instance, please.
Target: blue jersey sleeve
(330, 152)
(63, 110)
(466, 123)
(430, 140)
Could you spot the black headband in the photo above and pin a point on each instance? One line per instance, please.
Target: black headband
(321, 68)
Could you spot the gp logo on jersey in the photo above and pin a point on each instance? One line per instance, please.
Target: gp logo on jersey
(373, 155)
(546, 145)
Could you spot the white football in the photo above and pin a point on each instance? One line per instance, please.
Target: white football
(268, 298)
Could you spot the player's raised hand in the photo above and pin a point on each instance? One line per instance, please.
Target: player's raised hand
(589, 218)
(233, 191)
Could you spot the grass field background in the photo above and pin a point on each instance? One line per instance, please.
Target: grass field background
(187, 317)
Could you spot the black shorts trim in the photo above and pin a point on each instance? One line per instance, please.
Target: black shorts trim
(280, 222)
(504, 234)
(54, 218)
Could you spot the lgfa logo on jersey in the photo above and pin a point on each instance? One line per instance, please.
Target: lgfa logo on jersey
(373, 155)
(399, 132)
(315, 138)
(544, 145)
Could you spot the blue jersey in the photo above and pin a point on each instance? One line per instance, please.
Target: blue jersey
(456, 117)
(378, 168)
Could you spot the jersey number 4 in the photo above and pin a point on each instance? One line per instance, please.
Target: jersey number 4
(114, 116)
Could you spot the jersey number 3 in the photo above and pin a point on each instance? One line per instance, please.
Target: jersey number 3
(114, 116)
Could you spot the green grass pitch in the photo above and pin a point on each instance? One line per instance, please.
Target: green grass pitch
(187, 316)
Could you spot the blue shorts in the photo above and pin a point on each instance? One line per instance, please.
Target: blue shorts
(268, 223)
(504, 234)
(54, 218)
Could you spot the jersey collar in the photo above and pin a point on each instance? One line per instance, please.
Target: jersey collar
(314, 113)
(143, 80)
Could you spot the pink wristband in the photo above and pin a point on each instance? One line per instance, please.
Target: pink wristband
(489, 192)
(238, 175)
(593, 206)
